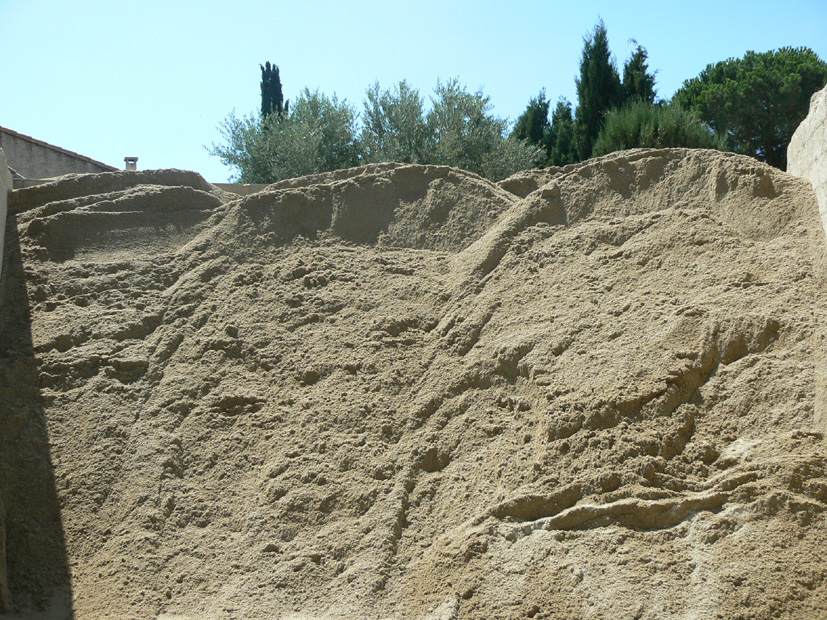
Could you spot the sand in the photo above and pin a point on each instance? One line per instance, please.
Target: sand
(406, 392)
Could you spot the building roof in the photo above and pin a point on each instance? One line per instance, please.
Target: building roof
(22, 136)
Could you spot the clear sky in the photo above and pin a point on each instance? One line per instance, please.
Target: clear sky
(155, 78)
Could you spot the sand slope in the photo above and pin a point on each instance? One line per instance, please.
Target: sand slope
(406, 392)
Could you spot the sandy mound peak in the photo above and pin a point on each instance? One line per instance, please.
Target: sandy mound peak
(391, 205)
(754, 199)
(145, 218)
(77, 185)
(335, 175)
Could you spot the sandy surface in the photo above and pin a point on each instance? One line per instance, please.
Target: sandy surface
(406, 392)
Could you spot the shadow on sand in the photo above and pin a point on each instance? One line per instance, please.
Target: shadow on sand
(38, 581)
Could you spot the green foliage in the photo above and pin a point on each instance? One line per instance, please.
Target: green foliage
(754, 104)
(598, 88)
(560, 139)
(272, 98)
(757, 101)
(464, 133)
(330, 125)
(244, 149)
(393, 125)
(638, 83)
(533, 124)
(644, 125)
(317, 135)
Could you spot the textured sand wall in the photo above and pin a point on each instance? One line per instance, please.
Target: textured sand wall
(405, 392)
(807, 153)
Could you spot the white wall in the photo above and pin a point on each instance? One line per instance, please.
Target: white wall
(807, 153)
(807, 157)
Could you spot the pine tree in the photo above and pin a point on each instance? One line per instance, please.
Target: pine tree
(757, 101)
(638, 83)
(598, 88)
(272, 98)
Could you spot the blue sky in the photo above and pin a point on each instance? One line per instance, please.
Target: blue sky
(155, 78)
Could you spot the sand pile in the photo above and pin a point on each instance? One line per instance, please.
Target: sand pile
(405, 392)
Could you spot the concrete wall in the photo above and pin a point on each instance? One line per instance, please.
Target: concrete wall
(5, 188)
(35, 159)
(807, 153)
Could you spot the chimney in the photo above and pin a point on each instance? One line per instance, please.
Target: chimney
(131, 163)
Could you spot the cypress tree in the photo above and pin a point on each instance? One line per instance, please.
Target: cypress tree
(638, 83)
(560, 139)
(598, 88)
(272, 99)
(533, 125)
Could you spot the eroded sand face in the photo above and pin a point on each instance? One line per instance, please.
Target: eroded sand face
(404, 392)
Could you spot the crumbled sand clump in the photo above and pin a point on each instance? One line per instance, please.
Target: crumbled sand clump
(405, 392)
(526, 181)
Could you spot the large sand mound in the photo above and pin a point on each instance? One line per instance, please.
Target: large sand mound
(404, 392)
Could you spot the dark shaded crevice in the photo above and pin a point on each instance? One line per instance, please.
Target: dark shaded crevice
(39, 580)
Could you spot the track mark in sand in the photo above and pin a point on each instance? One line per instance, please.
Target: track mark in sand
(383, 526)
(431, 401)
(461, 333)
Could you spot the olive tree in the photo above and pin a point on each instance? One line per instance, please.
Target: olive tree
(463, 132)
(318, 134)
(393, 125)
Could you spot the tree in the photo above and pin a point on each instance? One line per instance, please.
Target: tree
(560, 139)
(638, 83)
(598, 88)
(331, 124)
(757, 101)
(317, 135)
(272, 98)
(533, 125)
(463, 133)
(643, 125)
(393, 125)
(244, 149)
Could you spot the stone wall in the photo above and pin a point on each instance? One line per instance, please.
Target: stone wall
(35, 159)
(5, 188)
(807, 153)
